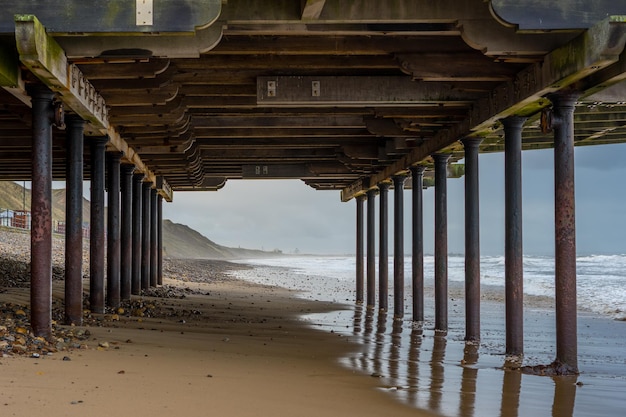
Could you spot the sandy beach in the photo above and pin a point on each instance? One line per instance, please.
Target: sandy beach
(207, 342)
(227, 348)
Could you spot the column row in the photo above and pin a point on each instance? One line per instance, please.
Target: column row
(133, 245)
(565, 250)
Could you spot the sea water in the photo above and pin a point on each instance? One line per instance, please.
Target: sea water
(440, 372)
(601, 279)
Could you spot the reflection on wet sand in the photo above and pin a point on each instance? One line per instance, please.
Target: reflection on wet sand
(511, 387)
(564, 396)
(428, 370)
(437, 371)
(468, 380)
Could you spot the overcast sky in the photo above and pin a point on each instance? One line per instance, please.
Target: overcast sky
(289, 215)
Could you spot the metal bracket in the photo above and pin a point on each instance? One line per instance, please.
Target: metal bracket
(546, 123)
(316, 89)
(59, 115)
(144, 15)
(271, 88)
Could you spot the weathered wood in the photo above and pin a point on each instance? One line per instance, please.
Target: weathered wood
(134, 70)
(561, 14)
(371, 43)
(9, 74)
(354, 91)
(467, 67)
(281, 132)
(593, 50)
(312, 9)
(71, 16)
(359, 10)
(297, 62)
(47, 60)
(270, 171)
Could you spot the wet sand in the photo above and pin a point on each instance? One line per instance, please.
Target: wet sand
(418, 367)
(231, 349)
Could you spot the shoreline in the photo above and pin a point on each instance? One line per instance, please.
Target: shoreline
(210, 341)
(228, 347)
(417, 367)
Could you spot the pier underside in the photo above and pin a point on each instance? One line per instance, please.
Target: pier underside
(349, 96)
(342, 95)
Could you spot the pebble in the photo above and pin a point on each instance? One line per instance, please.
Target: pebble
(16, 337)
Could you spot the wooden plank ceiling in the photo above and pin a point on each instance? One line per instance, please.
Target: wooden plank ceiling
(338, 94)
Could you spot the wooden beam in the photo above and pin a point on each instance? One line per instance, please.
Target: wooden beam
(593, 50)
(533, 15)
(358, 11)
(72, 16)
(43, 56)
(312, 9)
(11, 77)
(366, 91)
(9, 70)
(134, 70)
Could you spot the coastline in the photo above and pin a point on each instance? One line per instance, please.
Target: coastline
(228, 347)
(209, 342)
(418, 367)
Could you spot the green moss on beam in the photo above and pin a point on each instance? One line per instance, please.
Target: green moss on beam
(9, 75)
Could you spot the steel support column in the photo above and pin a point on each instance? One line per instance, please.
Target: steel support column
(383, 246)
(417, 251)
(472, 241)
(146, 263)
(96, 225)
(359, 248)
(371, 249)
(135, 285)
(565, 233)
(160, 239)
(441, 242)
(74, 222)
(398, 246)
(154, 224)
(126, 232)
(513, 251)
(113, 229)
(41, 209)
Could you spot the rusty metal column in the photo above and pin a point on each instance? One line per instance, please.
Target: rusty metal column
(359, 248)
(145, 237)
(160, 240)
(441, 242)
(513, 251)
(41, 208)
(113, 229)
(96, 225)
(153, 238)
(398, 246)
(383, 246)
(472, 241)
(135, 284)
(371, 249)
(417, 262)
(565, 233)
(126, 232)
(74, 222)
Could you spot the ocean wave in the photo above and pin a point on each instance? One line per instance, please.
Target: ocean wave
(601, 279)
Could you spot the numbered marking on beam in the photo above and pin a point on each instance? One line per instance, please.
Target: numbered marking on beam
(144, 12)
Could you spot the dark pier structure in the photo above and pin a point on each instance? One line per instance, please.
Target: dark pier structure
(363, 97)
